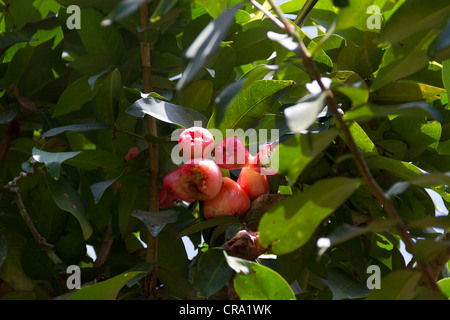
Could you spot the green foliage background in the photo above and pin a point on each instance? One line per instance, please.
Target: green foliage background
(71, 106)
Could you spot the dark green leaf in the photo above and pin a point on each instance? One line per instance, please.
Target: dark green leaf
(206, 43)
(251, 105)
(257, 282)
(166, 112)
(99, 188)
(213, 272)
(398, 285)
(82, 127)
(207, 224)
(411, 109)
(162, 9)
(290, 224)
(97, 38)
(403, 59)
(74, 97)
(294, 154)
(156, 221)
(105, 290)
(123, 9)
(52, 160)
(68, 199)
(108, 95)
(344, 286)
(413, 16)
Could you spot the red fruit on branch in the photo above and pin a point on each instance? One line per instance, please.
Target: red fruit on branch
(132, 154)
(167, 198)
(171, 183)
(196, 142)
(200, 178)
(261, 162)
(231, 200)
(231, 153)
(252, 182)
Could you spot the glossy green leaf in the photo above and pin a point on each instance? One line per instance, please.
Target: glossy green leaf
(446, 74)
(413, 16)
(344, 286)
(232, 90)
(105, 290)
(206, 43)
(354, 14)
(68, 199)
(294, 154)
(213, 272)
(74, 97)
(257, 282)
(398, 285)
(290, 224)
(403, 59)
(362, 140)
(166, 112)
(52, 160)
(82, 127)
(411, 109)
(99, 188)
(98, 160)
(156, 221)
(418, 131)
(250, 105)
(444, 285)
(401, 169)
(214, 8)
(441, 49)
(108, 95)
(207, 224)
(197, 96)
(97, 38)
(122, 9)
(162, 9)
(407, 91)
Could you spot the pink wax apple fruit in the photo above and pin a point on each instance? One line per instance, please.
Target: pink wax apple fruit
(231, 153)
(132, 154)
(231, 200)
(252, 182)
(200, 178)
(196, 142)
(171, 183)
(167, 198)
(261, 162)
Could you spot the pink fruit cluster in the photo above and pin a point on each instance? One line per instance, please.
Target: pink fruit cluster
(200, 178)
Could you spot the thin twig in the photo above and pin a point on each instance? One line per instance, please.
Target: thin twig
(267, 13)
(364, 170)
(12, 188)
(105, 248)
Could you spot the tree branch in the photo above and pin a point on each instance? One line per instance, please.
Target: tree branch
(364, 170)
(152, 242)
